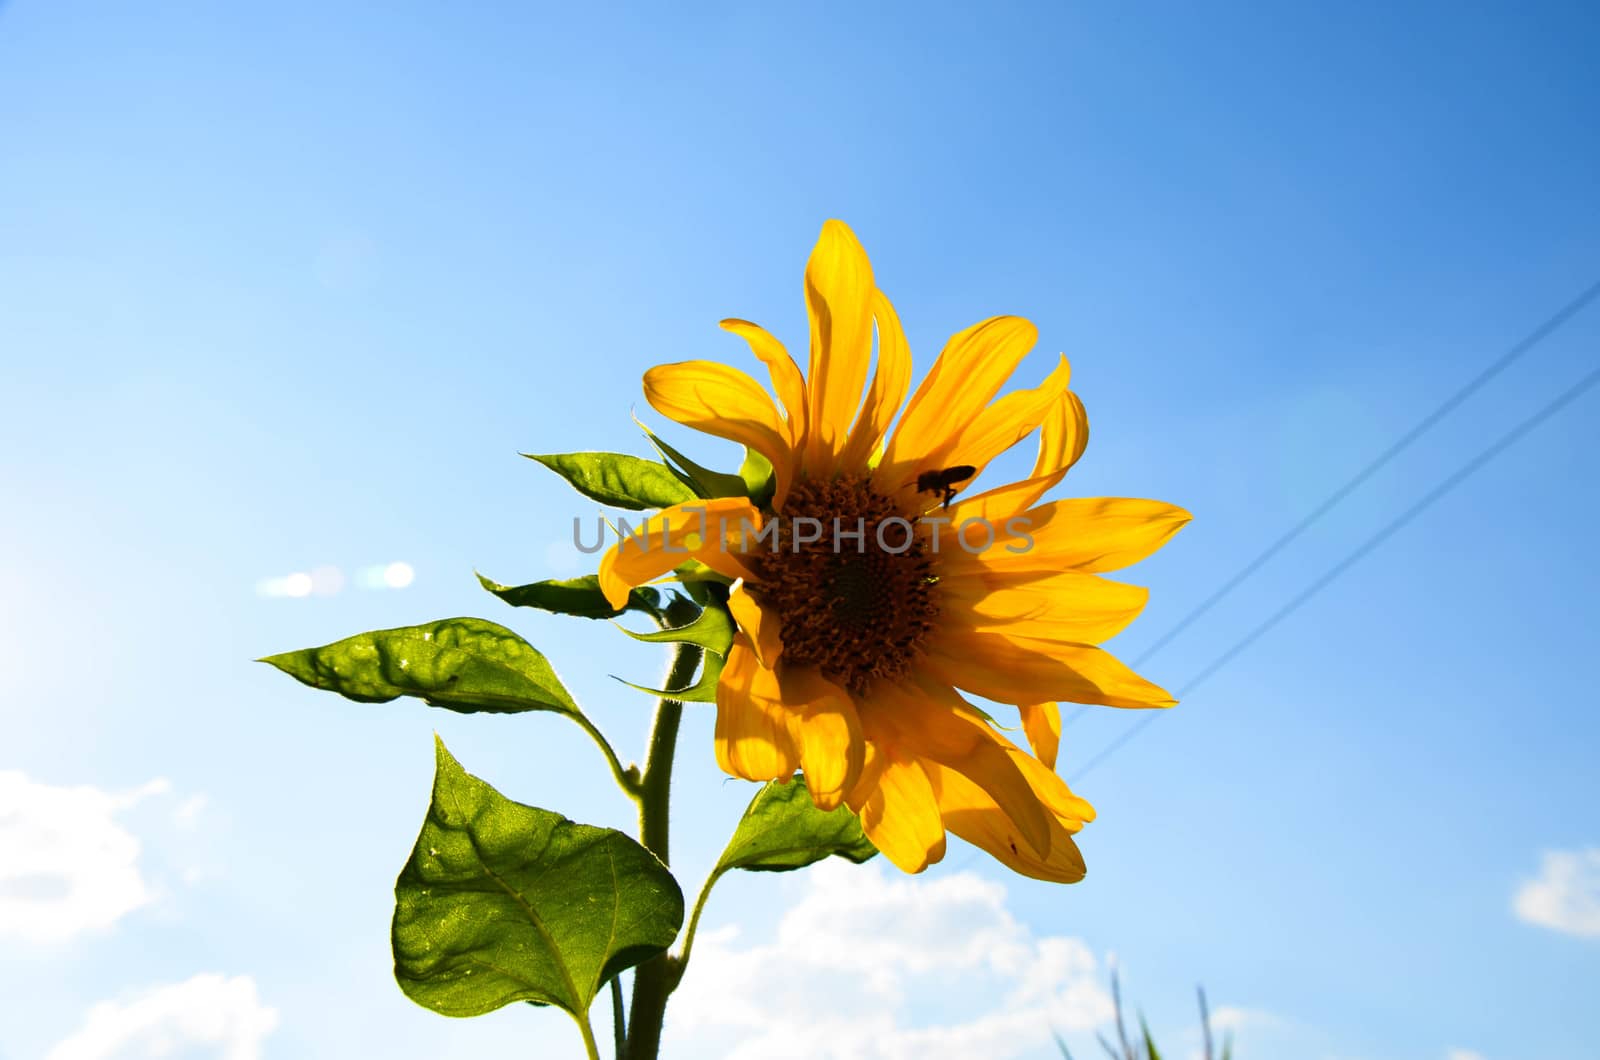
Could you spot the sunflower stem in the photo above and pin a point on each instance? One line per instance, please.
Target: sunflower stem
(654, 979)
(619, 1021)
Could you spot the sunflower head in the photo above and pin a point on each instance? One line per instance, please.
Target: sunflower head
(874, 591)
(857, 614)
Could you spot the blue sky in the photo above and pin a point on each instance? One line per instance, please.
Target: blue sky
(291, 286)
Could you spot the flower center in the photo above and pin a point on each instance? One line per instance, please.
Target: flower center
(850, 580)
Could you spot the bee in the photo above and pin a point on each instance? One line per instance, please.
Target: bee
(944, 482)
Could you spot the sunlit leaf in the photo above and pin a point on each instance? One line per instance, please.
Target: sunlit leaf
(502, 902)
(617, 479)
(711, 630)
(461, 664)
(782, 829)
(573, 596)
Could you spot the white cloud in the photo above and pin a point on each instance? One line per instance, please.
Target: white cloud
(69, 867)
(1566, 895)
(859, 949)
(187, 815)
(208, 1011)
(1463, 1054)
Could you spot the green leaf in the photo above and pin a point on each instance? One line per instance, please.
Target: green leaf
(573, 596)
(712, 630)
(618, 480)
(704, 690)
(502, 902)
(702, 480)
(1150, 1050)
(782, 829)
(461, 664)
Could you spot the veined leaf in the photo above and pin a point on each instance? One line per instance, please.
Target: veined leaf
(502, 902)
(461, 664)
(573, 596)
(712, 630)
(618, 480)
(782, 829)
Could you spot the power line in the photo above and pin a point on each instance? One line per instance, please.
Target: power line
(1423, 426)
(1460, 475)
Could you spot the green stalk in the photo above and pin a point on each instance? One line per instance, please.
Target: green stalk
(653, 980)
(681, 961)
(590, 1046)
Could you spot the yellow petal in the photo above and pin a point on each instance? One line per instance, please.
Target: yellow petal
(839, 302)
(827, 731)
(1062, 439)
(1006, 422)
(1041, 722)
(787, 382)
(970, 371)
(900, 813)
(723, 401)
(1086, 534)
(1069, 809)
(887, 391)
(1058, 605)
(763, 627)
(971, 813)
(706, 530)
(752, 733)
(930, 721)
(1015, 669)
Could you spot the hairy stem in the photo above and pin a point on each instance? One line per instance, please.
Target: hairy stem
(654, 979)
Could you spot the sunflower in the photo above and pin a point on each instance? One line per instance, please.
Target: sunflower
(871, 599)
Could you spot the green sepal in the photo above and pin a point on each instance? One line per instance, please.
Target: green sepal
(574, 596)
(702, 480)
(704, 690)
(705, 586)
(759, 480)
(502, 902)
(462, 664)
(782, 830)
(618, 480)
(712, 630)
